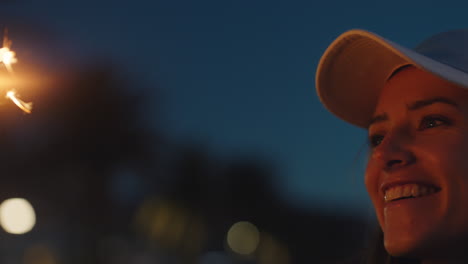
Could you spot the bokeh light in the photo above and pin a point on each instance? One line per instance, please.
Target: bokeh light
(171, 225)
(243, 238)
(17, 216)
(272, 251)
(39, 254)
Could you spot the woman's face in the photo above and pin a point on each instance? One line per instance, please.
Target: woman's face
(417, 174)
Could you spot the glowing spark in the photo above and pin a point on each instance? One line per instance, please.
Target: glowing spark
(26, 107)
(8, 57)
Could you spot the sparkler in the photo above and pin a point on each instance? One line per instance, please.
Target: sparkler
(8, 57)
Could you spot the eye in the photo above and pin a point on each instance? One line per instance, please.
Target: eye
(375, 140)
(427, 122)
(433, 121)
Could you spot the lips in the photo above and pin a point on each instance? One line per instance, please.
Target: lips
(409, 190)
(398, 189)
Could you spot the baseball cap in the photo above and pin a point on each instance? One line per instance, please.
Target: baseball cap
(356, 65)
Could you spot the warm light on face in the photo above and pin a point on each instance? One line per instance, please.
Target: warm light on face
(243, 238)
(17, 216)
(423, 141)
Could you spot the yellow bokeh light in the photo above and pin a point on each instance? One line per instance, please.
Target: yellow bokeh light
(243, 238)
(39, 254)
(272, 251)
(17, 216)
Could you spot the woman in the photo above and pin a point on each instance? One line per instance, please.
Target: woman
(414, 105)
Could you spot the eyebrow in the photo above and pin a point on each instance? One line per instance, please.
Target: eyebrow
(415, 106)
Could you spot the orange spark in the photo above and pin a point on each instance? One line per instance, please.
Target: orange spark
(26, 107)
(8, 57)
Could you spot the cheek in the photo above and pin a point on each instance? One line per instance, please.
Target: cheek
(446, 159)
(371, 181)
(448, 163)
(371, 177)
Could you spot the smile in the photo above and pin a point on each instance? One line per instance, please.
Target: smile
(408, 191)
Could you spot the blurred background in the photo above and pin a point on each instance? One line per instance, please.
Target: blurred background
(186, 131)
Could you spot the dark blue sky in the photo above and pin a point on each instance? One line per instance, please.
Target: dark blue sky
(238, 76)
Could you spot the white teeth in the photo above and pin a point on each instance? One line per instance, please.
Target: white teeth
(415, 192)
(407, 190)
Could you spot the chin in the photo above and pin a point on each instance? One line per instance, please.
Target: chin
(398, 248)
(415, 247)
(410, 231)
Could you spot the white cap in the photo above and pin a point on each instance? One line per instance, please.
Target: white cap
(355, 67)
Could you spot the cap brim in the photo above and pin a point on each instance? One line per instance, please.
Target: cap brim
(355, 67)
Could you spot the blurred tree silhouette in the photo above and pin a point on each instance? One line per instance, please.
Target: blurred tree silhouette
(66, 152)
(107, 188)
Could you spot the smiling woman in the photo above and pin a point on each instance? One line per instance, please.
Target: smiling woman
(414, 104)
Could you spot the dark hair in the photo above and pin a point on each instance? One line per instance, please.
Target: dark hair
(397, 70)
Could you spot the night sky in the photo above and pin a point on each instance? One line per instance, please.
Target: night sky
(238, 76)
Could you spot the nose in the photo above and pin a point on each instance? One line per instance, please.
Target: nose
(393, 152)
